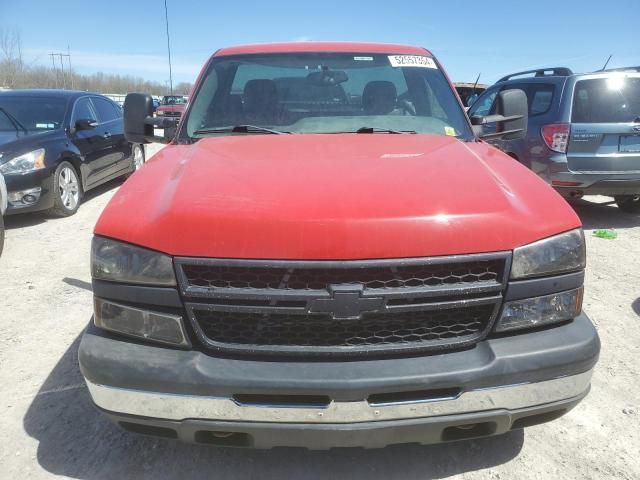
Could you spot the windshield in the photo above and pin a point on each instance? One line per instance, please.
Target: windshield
(31, 113)
(326, 93)
(173, 100)
(615, 99)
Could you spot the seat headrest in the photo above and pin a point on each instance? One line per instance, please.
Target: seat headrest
(379, 97)
(260, 96)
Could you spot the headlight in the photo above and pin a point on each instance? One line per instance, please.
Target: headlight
(159, 112)
(25, 163)
(540, 311)
(154, 326)
(552, 256)
(120, 262)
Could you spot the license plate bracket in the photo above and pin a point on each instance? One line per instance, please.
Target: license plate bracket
(629, 144)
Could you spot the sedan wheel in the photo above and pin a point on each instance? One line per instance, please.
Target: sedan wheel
(67, 191)
(138, 157)
(68, 188)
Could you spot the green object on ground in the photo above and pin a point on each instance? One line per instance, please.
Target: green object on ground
(605, 233)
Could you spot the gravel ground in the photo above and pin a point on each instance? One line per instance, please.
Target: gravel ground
(49, 428)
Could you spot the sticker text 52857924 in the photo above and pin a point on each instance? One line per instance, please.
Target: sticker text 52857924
(412, 61)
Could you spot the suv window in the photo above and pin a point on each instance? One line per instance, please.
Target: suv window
(84, 110)
(107, 111)
(614, 99)
(483, 105)
(539, 96)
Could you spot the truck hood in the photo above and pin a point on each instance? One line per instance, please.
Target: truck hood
(343, 196)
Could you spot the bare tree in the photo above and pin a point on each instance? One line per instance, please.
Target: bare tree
(11, 62)
(183, 88)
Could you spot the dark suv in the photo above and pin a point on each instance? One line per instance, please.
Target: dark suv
(584, 130)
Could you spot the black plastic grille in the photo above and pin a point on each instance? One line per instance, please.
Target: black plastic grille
(312, 330)
(372, 278)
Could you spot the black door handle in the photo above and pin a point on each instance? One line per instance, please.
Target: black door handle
(107, 135)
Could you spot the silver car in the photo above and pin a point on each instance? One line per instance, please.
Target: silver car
(584, 130)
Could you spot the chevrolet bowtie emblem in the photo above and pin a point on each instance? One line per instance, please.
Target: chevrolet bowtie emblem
(346, 303)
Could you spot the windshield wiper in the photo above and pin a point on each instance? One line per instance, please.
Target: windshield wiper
(382, 130)
(16, 123)
(239, 129)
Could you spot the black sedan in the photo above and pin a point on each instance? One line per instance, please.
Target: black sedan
(57, 144)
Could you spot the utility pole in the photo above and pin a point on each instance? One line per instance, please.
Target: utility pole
(61, 57)
(55, 70)
(70, 71)
(166, 20)
(64, 80)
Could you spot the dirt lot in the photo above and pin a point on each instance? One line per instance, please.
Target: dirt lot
(49, 428)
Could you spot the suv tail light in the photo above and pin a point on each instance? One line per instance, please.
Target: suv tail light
(556, 136)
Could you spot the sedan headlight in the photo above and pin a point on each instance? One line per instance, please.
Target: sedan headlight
(540, 311)
(552, 256)
(120, 262)
(159, 112)
(24, 163)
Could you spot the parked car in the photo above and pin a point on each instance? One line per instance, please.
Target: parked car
(584, 130)
(334, 270)
(55, 145)
(171, 106)
(3, 209)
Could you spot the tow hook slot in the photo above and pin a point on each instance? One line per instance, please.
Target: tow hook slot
(282, 401)
(418, 396)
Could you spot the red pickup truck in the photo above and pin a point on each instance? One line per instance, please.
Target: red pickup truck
(171, 106)
(327, 254)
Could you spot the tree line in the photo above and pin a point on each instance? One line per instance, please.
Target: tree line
(16, 73)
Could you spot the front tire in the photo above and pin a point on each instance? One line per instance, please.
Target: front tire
(66, 191)
(629, 203)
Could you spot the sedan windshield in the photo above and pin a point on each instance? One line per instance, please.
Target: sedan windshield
(173, 100)
(325, 93)
(31, 113)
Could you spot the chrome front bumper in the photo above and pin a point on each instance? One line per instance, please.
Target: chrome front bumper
(180, 407)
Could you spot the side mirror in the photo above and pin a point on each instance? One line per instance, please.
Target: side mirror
(511, 118)
(139, 123)
(85, 124)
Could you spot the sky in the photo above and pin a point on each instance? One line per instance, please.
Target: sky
(469, 38)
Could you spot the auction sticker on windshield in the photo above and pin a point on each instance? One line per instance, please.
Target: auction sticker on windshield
(412, 61)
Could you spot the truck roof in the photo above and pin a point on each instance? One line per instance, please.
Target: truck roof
(322, 47)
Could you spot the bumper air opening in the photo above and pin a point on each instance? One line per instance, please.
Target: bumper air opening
(149, 430)
(537, 419)
(380, 399)
(282, 401)
(472, 430)
(224, 439)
